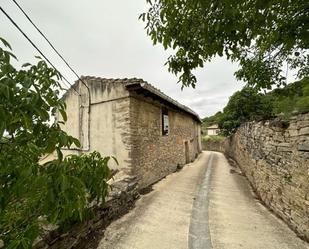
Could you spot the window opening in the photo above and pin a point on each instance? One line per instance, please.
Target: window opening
(165, 122)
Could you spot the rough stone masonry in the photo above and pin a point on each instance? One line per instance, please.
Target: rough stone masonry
(150, 134)
(274, 156)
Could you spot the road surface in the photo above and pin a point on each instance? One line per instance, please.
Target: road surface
(205, 205)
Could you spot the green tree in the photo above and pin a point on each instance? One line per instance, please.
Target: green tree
(294, 97)
(211, 120)
(265, 37)
(31, 194)
(245, 105)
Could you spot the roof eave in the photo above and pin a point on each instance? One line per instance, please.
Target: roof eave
(151, 89)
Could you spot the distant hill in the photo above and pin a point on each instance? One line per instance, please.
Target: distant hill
(247, 104)
(293, 97)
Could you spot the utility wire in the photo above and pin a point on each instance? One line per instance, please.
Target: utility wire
(32, 43)
(89, 95)
(52, 46)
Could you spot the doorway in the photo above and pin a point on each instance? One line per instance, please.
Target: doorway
(187, 154)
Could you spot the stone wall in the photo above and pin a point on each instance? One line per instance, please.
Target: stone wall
(275, 158)
(105, 126)
(119, 201)
(213, 145)
(128, 125)
(155, 155)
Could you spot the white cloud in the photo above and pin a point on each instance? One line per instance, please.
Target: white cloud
(106, 39)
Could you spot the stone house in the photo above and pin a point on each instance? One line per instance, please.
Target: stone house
(212, 130)
(149, 133)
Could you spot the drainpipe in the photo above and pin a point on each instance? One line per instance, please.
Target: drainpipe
(87, 148)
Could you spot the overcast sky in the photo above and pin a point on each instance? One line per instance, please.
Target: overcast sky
(104, 38)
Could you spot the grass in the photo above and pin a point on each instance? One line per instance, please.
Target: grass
(214, 138)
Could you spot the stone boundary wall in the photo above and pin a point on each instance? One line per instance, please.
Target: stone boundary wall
(120, 200)
(213, 146)
(274, 156)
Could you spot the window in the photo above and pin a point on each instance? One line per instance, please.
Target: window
(165, 122)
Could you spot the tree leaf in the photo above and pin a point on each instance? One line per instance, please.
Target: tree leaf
(5, 43)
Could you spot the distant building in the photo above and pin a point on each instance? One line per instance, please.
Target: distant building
(212, 130)
(148, 132)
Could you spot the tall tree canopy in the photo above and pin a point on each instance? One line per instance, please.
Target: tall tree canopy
(266, 37)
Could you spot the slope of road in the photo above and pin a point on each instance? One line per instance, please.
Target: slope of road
(161, 218)
(185, 208)
(237, 220)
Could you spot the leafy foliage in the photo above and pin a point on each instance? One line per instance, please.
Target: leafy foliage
(263, 36)
(31, 194)
(208, 121)
(243, 106)
(294, 97)
(248, 104)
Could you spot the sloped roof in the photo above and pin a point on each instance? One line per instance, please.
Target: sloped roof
(214, 126)
(135, 83)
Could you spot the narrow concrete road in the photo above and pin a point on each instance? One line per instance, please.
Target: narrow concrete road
(161, 219)
(237, 220)
(207, 205)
